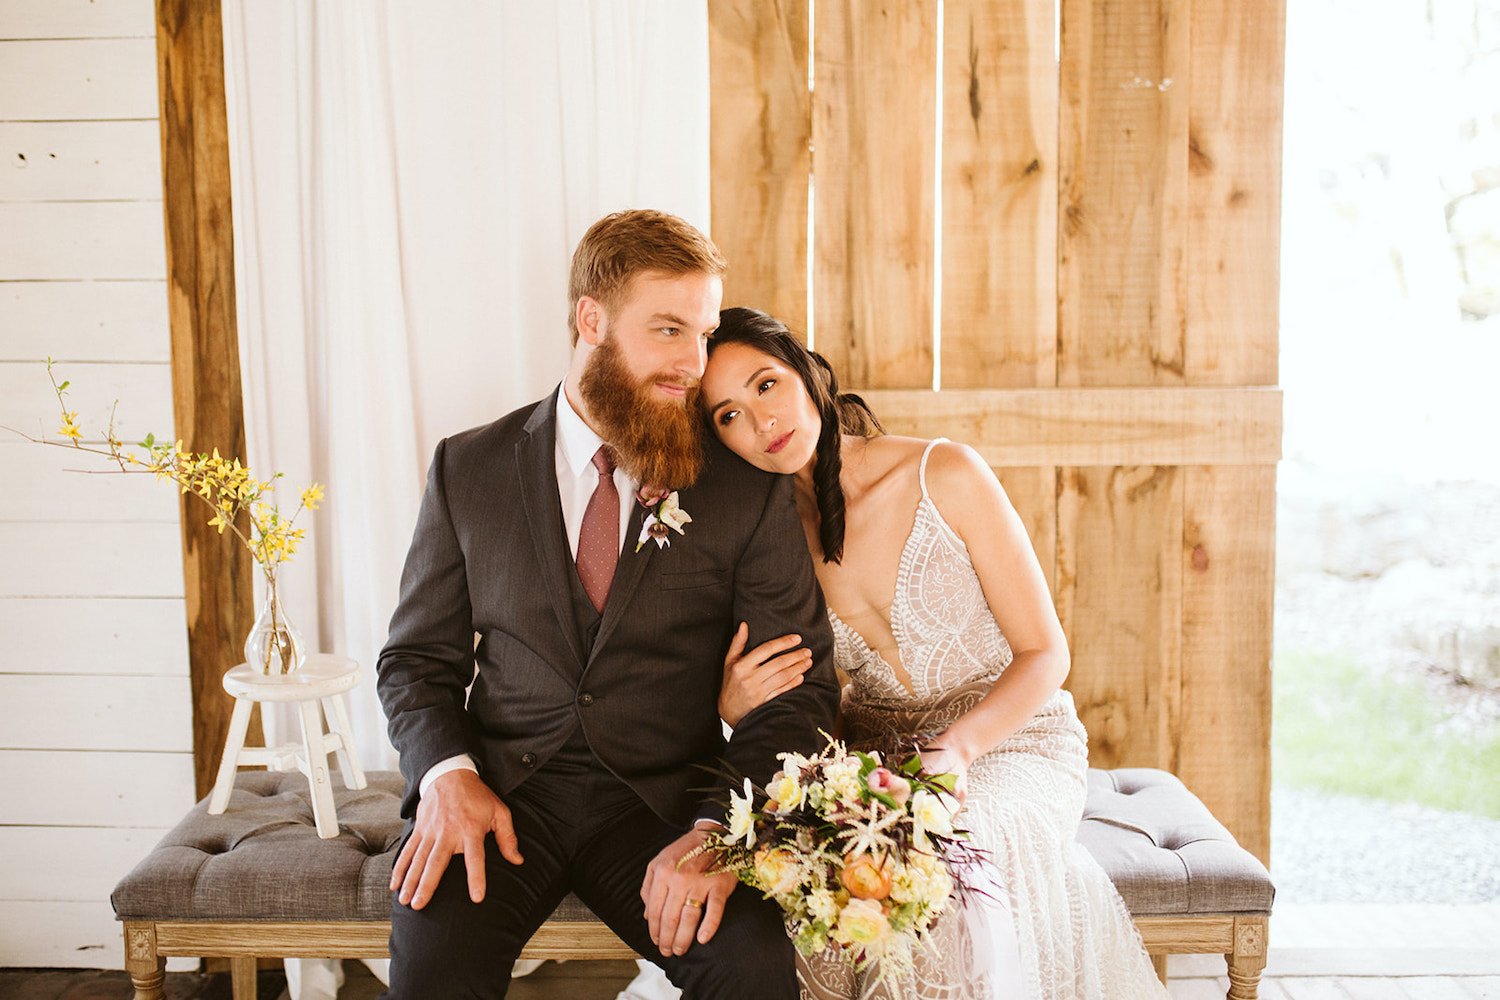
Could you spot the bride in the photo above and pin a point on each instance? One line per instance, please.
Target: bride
(944, 624)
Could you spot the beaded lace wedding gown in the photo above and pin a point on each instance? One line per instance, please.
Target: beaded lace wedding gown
(1074, 937)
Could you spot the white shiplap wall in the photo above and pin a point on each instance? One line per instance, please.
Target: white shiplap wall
(95, 714)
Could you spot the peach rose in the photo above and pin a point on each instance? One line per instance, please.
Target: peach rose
(865, 879)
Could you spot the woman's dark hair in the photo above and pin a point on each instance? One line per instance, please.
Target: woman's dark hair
(841, 412)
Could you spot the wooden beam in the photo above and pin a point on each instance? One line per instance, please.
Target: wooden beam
(999, 205)
(874, 163)
(760, 151)
(1123, 192)
(205, 347)
(1095, 427)
(1228, 590)
(1234, 163)
(1119, 599)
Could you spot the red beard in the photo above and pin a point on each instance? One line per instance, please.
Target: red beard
(657, 442)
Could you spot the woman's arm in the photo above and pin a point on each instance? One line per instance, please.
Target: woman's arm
(974, 504)
(754, 678)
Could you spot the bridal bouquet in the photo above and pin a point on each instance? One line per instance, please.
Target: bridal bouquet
(860, 856)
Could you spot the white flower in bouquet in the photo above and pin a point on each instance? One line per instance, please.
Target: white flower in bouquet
(933, 813)
(741, 816)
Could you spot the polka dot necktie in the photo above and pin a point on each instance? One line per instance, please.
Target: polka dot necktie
(599, 537)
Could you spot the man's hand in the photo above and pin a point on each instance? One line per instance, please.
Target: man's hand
(454, 817)
(754, 678)
(680, 899)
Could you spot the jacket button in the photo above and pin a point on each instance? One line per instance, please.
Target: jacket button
(585, 699)
(529, 759)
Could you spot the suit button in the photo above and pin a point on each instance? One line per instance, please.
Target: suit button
(529, 759)
(585, 699)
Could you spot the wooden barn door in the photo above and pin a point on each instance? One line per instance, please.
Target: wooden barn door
(1067, 220)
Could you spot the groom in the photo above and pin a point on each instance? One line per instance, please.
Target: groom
(553, 666)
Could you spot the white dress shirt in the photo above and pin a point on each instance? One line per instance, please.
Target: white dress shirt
(576, 480)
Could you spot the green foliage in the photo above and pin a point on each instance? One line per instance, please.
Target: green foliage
(1348, 729)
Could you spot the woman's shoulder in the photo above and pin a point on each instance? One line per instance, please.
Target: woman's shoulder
(894, 456)
(959, 481)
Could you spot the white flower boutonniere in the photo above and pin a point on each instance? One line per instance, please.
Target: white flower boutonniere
(665, 513)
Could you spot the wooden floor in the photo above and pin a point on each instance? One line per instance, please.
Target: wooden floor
(1333, 952)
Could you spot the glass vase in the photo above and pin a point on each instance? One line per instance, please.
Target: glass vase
(274, 645)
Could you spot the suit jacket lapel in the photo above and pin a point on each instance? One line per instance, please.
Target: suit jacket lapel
(536, 470)
(628, 572)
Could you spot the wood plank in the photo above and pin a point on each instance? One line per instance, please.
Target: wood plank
(999, 206)
(80, 161)
(77, 19)
(70, 863)
(1033, 493)
(1198, 989)
(77, 79)
(102, 788)
(1234, 189)
(61, 935)
(82, 240)
(1033, 427)
(140, 637)
(205, 344)
(555, 939)
(29, 404)
(760, 152)
(1122, 155)
(874, 105)
(93, 560)
(102, 713)
(75, 321)
(1228, 573)
(1185, 934)
(1119, 596)
(59, 484)
(1313, 988)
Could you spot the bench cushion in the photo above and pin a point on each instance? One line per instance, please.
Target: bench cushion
(1163, 849)
(261, 859)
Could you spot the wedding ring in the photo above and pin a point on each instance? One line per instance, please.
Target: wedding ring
(696, 904)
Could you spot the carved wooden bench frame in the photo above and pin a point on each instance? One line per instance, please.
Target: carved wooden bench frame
(1240, 938)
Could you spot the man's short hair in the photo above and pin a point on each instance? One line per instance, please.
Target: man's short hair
(623, 244)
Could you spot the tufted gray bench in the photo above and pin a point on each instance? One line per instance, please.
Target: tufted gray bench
(257, 882)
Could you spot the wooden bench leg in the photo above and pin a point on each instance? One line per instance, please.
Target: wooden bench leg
(242, 978)
(1159, 963)
(148, 970)
(1248, 959)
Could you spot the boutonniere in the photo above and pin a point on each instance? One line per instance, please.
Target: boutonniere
(665, 513)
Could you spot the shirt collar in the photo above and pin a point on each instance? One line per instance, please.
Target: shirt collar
(576, 438)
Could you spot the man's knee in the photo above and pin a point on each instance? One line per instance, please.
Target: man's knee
(454, 947)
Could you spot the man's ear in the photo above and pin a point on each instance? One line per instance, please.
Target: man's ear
(588, 314)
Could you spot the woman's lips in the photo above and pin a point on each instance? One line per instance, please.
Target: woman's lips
(780, 443)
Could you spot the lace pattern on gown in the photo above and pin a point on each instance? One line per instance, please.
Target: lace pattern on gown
(1074, 937)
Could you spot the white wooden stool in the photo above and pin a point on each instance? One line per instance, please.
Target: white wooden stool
(318, 688)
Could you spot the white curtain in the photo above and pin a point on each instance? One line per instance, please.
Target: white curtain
(409, 181)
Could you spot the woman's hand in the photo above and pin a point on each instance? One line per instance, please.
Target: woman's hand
(754, 678)
(938, 760)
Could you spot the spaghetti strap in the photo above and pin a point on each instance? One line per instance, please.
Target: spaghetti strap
(922, 469)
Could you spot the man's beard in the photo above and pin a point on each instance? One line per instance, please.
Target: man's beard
(658, 443)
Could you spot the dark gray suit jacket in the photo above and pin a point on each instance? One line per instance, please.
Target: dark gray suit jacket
(490, 556)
